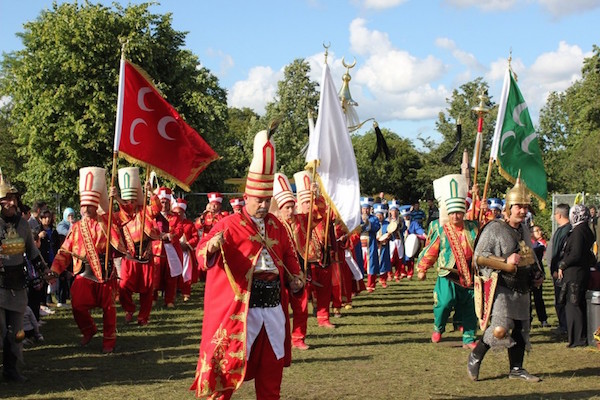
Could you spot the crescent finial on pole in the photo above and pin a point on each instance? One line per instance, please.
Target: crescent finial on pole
(326, 46)
(348, 67)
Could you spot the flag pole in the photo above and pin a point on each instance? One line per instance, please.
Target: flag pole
(117, 141)
(145, 197)
(310, 212)
(481, 110)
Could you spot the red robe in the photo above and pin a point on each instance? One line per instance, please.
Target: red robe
(222, 360)
(190, 238)
(135, 276)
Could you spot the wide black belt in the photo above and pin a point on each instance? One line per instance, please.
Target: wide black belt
(520, 281)
(265, 294)
(13, 277)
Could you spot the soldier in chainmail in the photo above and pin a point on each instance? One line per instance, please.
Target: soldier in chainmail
(16, 240)
(503, 246)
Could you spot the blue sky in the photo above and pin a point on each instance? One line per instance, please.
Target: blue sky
(410, 54)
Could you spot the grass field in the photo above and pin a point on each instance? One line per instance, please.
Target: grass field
(380, 349)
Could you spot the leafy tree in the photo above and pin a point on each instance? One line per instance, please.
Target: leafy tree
(296, 96)
(10, 161)
(396, 176)
(460, 106)
(63, 90)
(570, 131)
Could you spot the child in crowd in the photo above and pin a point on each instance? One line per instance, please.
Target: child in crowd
(31, 326)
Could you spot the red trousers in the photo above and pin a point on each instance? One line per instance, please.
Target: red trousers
(165, 282)
(184, 287)
(336, 285)
(264, 368)
(87, 294)
(321, 290)
(299, 305)
(136, 278)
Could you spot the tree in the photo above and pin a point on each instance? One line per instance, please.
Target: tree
(296, 96)
(461, 107)
(396, 176)
(63, 90)
(570, 131)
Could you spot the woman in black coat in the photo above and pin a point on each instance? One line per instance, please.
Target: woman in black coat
(574, 270)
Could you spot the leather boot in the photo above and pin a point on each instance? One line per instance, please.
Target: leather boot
(475, 358)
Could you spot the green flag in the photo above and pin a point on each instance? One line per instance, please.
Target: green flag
(515, 145)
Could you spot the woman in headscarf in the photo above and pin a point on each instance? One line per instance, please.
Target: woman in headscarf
(63, 226)
(574, 270)
(66, 277)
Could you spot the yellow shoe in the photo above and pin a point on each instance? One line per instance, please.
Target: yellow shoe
(348, 306)
(186, 297)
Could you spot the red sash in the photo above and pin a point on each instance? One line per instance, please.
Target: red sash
(464, 270)
(90, 251)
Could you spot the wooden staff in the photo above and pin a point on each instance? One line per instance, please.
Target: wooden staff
(144, 196)
(310, 212)
(110, 209)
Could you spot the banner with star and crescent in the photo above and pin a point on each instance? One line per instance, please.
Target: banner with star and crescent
(151, 133)
(515, 146)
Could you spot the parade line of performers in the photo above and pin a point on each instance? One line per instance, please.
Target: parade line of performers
(276, 251)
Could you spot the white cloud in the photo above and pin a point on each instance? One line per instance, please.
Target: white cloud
(561, 8)
(485, 5)
(256, 91)
(557, 8)
(364, 41)
(391, 83)
(382, 4)
(467, 59)
(225, 61)
(552, 71)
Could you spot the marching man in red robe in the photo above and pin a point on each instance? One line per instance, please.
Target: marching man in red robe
(189, 240)
(168, 256)
(137, 270)
(318, 255)
(297, 227)
(85, 246)
(250, 261)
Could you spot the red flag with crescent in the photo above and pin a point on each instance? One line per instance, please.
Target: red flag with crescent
(150, 132)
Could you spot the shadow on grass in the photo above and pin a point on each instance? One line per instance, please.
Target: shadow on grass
(575, 394)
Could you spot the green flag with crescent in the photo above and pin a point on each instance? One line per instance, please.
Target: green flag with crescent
(515, 145)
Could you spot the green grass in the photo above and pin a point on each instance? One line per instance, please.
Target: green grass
(380, 349)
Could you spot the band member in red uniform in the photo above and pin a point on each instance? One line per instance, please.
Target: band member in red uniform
(168, 256)
(85, 246)
(297, 226)
(189, 240)
(236, 204)
(318, 255)
(136, 274)
(212, 214)
(250, 260)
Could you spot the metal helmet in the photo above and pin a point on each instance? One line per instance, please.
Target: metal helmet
(5, 187)
(519, 194)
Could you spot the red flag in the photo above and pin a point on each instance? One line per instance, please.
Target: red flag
(149, 131)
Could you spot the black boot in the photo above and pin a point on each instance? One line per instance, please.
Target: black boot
(475, 358)
(9, 370)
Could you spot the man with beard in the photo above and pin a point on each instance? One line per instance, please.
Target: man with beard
(503, 254)
(136, 269)
(15, 241)
(297, 227)
(86, 247)
(168, 256)
(250, 261)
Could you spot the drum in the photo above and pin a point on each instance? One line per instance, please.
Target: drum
(412, 245)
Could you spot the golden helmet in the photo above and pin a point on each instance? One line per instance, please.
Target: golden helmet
(519, 194)
(6, 187)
